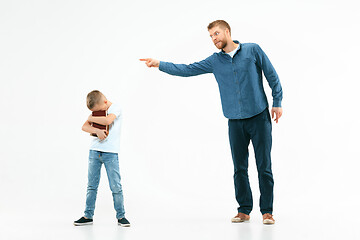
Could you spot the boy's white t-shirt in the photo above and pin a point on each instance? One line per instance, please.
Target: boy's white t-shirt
(112, 142)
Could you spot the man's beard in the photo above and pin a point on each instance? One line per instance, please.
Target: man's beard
(222, 45)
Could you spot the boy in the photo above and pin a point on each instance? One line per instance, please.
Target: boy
(104, 149)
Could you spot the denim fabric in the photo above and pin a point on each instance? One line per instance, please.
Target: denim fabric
(111, 162)
(239, 78)
(258, 130)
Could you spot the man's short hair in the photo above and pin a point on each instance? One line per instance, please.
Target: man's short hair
(94, 97)
(223, 24)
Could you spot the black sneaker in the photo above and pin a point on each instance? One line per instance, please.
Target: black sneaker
(83, 221)
(123, 222)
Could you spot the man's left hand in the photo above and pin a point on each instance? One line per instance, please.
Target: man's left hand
(278, 112)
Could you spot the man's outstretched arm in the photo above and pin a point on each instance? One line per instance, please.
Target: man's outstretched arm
(182, 70)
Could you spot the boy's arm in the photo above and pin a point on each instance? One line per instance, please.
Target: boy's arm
(90, 129)
(103, 120)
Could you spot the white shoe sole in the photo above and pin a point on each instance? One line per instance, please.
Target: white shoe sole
(82, 224)
(268, 221)
(237, 220)
(124, 225)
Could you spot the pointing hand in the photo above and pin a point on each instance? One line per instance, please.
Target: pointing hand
(151, 62)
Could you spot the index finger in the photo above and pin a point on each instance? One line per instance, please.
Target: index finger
(143, 59)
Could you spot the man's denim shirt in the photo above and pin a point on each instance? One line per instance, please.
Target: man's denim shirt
(239, 79)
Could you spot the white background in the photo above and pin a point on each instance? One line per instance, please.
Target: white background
(175, 159)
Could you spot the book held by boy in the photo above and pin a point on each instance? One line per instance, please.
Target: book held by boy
(101, 113)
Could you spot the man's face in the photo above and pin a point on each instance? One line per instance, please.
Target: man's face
(218, 36)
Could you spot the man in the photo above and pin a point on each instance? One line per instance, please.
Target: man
(238, 71)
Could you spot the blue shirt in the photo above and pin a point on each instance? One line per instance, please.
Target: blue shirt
(239, 78)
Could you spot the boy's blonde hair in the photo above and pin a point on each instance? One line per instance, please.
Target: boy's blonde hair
(94, 97)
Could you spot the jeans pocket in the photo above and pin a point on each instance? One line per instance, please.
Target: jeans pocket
(265, 115)
(92, 154)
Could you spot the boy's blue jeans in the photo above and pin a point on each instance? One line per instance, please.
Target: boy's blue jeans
(111, 162)
(258, 130)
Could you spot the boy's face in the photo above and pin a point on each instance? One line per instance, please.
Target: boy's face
(101, 106)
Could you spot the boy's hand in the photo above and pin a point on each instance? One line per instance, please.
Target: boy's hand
(151, 62)
(90, 118)
(102, 134)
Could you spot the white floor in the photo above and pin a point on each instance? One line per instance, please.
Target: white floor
(43, 207)
(295, 226)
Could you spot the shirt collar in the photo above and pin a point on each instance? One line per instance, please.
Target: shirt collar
(235, 41)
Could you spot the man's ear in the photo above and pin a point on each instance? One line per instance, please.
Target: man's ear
(227, 31)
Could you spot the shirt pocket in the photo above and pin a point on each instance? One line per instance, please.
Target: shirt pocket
(245, 64)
